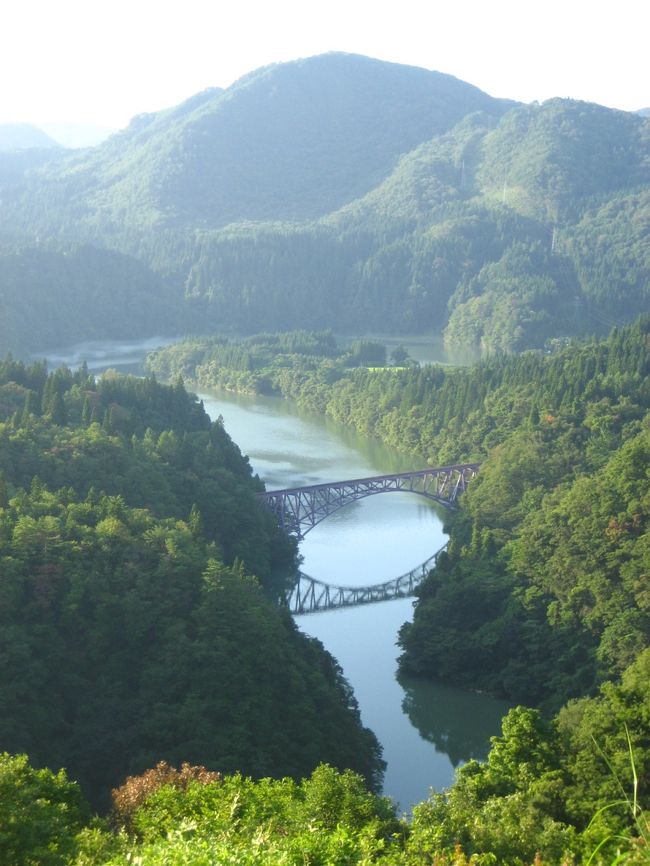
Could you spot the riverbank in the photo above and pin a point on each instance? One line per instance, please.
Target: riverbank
(426, 730)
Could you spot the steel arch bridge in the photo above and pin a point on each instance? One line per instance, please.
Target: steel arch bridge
(300, 509)
(309, 595)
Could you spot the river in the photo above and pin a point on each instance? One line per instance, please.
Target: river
(425, 729)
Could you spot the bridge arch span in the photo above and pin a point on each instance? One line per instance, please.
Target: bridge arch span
(300, 509)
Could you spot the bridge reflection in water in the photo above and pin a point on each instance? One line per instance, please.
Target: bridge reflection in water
(300, 509)
(309, 595)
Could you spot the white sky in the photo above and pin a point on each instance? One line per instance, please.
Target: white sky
(100, 62)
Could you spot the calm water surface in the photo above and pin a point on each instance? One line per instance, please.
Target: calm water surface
(425, 729)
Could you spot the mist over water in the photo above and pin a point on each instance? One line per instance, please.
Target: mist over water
(126, 356)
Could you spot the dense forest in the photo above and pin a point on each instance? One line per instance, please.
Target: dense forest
(138, 597)
(142, 646)
(123, 585)
(542, 595)
(343, 192)
(133, 632)
(563, 442)
(76, 291)
(556, 792)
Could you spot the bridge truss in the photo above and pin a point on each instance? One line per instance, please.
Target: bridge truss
(300, 509)
(309, 595)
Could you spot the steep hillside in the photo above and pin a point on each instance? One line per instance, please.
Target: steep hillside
(15, 165)
(350, 193)
(547, 161)
(51, 297)
(290, 141)
(443, 243)
(132, 627)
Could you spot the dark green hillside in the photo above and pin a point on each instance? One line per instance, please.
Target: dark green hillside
(428, 182)
(547, 161)
(610, 249)
(150, 444)
(131, 627)
(49, 298)
(350, 193)
(439, 245)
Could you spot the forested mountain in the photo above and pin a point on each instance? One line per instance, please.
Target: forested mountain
(138, 614)
(15, 164)
(291, 141)
(139, 574)
(350, 193)
(51, 297)
(542, 595)
(550, 550)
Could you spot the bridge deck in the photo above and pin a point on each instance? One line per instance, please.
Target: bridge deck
(418, 473)
(300, 509)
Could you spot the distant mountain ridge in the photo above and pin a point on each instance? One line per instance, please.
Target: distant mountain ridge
(19, 136)
(76, 135)
(291, 141)
(340, 191)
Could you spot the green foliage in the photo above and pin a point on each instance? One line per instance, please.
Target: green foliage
(329, 818)
(367, 353)
(129, 635)
(261, 363)
(548, 160)
(79, 293)
(611, 257)
(510, 807)
(549, 792)
(130, 796)
(586, 548)
(552, 790)
(432, 208)
(40, 814)
(522, 806)
(553, 541)
(541, 595)
(156, 447)
(512, 304)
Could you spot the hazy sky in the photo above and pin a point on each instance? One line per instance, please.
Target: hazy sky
(100, 62)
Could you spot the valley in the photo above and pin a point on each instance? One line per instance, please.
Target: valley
(269, 233)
